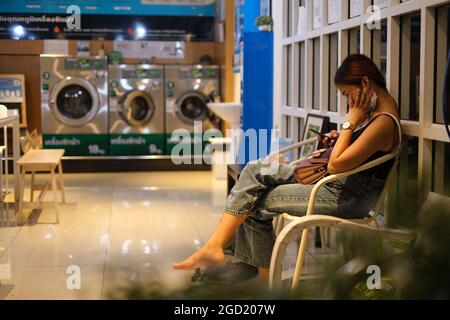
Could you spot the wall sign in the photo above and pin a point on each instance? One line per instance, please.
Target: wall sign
(334, 11)
(111, 20)
(381, 3)
(302, 19)
(83, 49)
(123, 7)
(12, 94)
(56, 47)
(150, 50)
(356, 8)
(317, 14)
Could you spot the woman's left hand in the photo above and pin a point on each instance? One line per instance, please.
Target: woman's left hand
(359, 105)
(277, 158)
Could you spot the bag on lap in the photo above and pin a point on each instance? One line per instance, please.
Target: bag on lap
(314, 167)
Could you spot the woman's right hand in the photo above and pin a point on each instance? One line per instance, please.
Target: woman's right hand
(330, 138)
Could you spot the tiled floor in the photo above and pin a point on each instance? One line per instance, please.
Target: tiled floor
(116, 228)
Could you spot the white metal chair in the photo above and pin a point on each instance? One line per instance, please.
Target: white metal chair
(285, 234)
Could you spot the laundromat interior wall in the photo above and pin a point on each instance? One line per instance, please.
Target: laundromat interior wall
(22, 57)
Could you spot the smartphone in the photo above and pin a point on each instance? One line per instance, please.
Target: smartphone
(373, 101)
(319, 133)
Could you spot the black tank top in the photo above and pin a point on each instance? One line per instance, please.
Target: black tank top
(381, 171)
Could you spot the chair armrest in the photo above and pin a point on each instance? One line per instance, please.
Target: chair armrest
(292, 229)
(344, 224)
(292, 147)
(298, 161)
(370, 164)
(334, 177)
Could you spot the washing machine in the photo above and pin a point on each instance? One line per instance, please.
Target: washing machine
(188, 90)
(136, 110)
(74, 104)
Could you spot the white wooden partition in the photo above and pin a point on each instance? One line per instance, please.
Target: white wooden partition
(412, 59)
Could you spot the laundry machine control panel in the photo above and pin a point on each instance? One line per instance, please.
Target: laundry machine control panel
(198, 73)
(84, 64)
(142, 74)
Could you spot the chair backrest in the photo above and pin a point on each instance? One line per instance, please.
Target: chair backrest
(389, 180)
(393, 155)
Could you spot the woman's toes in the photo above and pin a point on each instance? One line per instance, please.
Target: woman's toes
(201, 258)
(189, 263)
(184, 265)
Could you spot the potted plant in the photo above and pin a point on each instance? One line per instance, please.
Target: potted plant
(264, 23)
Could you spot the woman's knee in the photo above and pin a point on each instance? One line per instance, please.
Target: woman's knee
(292, 190)
(294, 199)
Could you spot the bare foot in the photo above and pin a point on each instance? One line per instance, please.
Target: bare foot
(202, 258)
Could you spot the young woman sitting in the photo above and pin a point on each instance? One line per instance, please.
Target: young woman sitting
(371, 130)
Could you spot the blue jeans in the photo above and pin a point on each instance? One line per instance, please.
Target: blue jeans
(260, 196)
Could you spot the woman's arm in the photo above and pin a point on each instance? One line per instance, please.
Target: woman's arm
(346, 155)
(376, 136)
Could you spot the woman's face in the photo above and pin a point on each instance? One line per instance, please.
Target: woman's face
(346, 89)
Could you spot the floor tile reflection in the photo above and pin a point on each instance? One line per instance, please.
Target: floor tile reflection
(118, 229)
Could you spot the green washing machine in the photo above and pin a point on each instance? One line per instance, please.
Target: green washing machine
(74, 104)
(136, 110)
(189, 88)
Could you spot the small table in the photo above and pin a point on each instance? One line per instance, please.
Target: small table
(41, 161)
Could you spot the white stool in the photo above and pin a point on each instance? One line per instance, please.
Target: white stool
(47, 160)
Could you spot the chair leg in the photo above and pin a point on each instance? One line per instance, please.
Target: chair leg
(21, 189)
(275, 223)
(328, 237)
(282, 241)
(33, 173)
(61, 182)
(323, 238)
(55, 198)
(280, 224)
(300, 258)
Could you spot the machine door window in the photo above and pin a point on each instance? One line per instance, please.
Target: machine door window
(74, 102)
(138, 108)
(192, 107)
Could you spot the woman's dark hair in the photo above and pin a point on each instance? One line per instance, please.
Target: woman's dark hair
(357, 66)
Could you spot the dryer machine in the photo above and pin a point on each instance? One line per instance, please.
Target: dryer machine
(74, 104)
